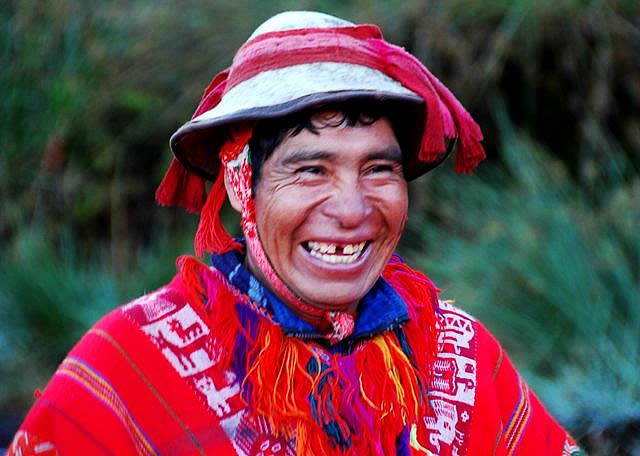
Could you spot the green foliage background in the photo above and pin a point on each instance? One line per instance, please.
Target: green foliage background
(541, 243)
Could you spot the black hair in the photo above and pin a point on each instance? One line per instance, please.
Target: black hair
(269, 134)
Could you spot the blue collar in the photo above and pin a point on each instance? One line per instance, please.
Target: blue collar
(381, 309)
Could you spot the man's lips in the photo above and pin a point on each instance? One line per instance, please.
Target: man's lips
(335, 252)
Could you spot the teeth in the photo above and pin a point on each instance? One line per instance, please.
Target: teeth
(352, 248)
(322, 247)
(335, 259)
(326, 252)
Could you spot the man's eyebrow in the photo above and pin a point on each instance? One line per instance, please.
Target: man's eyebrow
(392, 153)
(305, 155)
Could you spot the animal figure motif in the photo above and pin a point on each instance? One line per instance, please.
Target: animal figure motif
(187, 334)
(172, 353)
(443, 424)
(217, 398)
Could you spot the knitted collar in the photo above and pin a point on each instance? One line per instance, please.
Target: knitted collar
(381, 309)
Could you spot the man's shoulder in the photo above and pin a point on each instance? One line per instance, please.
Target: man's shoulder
(132, 320)
(154, 305)
(449, 307)
(183, 291)
(149, 354)
(460, 329)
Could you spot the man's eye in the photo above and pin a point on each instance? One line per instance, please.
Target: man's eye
(380, 168)
(309, 170)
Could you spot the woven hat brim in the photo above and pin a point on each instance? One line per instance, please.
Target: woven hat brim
(278, 93)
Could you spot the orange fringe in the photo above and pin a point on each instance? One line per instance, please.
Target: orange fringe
(388, 394)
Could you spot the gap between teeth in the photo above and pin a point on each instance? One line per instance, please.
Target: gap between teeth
(335, 259)
(326, 252)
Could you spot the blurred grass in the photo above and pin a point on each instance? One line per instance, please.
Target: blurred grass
(541, 244)
(553, 273)
(50, 296)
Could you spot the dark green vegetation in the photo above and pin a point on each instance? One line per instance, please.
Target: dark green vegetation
(542, 243)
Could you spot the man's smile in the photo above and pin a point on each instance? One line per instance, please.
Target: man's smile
(335, 253)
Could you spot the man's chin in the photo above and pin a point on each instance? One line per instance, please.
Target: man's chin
(331, 298)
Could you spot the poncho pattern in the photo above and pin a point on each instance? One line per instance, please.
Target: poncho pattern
(147, 380)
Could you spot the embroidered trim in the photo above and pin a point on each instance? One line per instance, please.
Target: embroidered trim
(519, 420)
(453, 383)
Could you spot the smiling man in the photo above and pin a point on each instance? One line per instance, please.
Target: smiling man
(308, 335)
(330, 207)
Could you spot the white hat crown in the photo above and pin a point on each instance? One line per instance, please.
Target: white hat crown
(292, 20)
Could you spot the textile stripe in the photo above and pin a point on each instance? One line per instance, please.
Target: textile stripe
(174, 415)
(495, 443)
(81, 428)
(100, 388)
(519, 419)
(498, 364)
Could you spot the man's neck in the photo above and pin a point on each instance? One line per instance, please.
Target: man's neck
(317, 320)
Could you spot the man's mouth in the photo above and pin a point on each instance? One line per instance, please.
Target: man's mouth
(335, 253)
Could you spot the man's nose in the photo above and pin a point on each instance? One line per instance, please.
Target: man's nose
(348, 204)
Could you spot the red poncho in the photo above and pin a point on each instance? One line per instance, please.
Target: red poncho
(162, 375)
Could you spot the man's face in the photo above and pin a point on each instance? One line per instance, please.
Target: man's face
(330, 209)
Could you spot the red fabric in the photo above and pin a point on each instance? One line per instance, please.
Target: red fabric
(498, 395)
(180, 186)
(363, 45)
(500, 391)
(121, 392)
(78, 422)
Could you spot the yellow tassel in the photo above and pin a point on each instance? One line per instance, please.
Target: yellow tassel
(409, 373)
(393, 374)
(365, 397)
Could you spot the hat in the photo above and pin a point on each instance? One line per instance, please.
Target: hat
(299, 60)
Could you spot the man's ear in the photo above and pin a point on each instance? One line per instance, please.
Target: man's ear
(235, 203)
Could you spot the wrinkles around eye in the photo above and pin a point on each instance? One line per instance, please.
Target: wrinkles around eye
(381, 169)
(310, 170)
(283, 183)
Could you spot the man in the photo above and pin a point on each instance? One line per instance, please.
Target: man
(307, 336)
